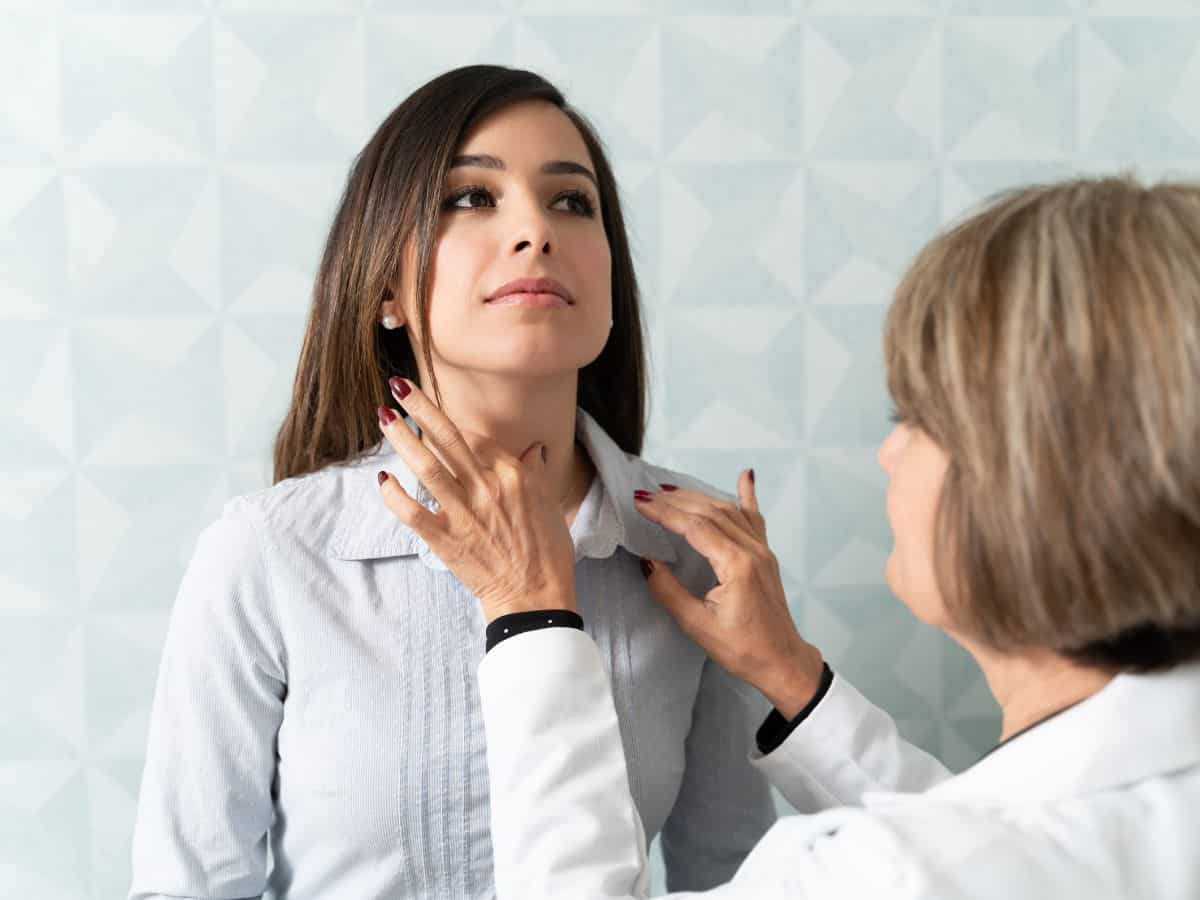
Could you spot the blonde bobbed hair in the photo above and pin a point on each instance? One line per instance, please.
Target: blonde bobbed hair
(1050, 345)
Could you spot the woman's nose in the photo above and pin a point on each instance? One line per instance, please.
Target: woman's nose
(526, 244)
(533, 233)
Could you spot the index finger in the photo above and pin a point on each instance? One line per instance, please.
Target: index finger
(748, 502)
(704, 535)
(443, 434)
(421, 460)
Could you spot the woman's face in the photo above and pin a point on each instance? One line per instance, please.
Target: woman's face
(916, 469)
(521, 202)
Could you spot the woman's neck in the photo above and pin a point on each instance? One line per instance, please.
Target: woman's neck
(518, 413)
(1032, 685)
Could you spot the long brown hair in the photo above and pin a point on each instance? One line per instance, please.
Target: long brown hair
(393, 195)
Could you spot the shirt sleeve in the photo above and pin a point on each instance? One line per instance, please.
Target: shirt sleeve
(724, 805)
(507, 626)
(205, 804)
(775, 728)
(846, 747)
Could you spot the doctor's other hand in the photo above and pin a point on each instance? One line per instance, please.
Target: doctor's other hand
(497, 529)
(743, 623)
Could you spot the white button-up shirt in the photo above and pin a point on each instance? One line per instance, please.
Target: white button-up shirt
(1100, 802)
(317, 732)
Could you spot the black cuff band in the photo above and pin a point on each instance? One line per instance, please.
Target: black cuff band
(516, 623)
(775, 728)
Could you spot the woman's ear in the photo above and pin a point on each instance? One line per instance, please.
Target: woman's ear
(391, 316)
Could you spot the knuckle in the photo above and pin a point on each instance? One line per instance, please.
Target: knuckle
(430, 471)
(413, 516)
(446, 439)
(404, 507)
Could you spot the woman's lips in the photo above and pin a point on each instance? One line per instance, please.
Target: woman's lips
(534, 300)
(535, 293)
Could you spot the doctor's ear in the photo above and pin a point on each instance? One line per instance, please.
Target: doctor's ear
(390, 315)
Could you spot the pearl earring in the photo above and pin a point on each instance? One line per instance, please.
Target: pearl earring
(389, 322)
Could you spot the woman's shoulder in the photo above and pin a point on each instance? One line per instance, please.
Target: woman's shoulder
(305, 509)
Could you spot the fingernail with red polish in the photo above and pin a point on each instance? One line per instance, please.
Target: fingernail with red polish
(382, 476)
(669, 487)
(399, 386)
(752, 476)
(647, 567)
(386, 415)
(642, 496)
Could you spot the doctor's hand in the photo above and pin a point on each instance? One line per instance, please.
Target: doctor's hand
(743, 623)
(498, 528)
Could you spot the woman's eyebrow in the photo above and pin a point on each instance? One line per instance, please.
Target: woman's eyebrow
(557, 167)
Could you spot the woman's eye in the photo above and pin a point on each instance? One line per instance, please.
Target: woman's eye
(576, 202)
(470, 198)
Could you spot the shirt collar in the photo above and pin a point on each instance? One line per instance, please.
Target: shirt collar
(1136, 727)
(367, 529)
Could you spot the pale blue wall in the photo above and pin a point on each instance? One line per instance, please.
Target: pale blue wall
(167, 172)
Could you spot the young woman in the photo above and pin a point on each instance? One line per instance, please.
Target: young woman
(316, 729)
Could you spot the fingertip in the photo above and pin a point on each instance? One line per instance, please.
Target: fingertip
(669, 592)
(647, 567)
(387, 416)
(747, 496)
(535, 452)
(401, 387)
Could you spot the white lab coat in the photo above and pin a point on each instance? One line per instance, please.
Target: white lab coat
(1100, 801)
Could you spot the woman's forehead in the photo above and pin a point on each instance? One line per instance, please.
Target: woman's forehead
(529, 132)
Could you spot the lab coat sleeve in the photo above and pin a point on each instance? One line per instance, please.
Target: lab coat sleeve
(564, 824)
(205, 803)
(846, 747)
(724, 805)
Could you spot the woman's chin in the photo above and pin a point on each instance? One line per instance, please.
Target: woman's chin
(898, 585)
(889, 573)
(537, 359)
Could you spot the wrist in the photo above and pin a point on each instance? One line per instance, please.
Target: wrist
(510, 625)
(564, 601)
(792, 686)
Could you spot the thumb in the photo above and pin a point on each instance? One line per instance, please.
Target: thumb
(534, 457)
(533, 463)
(684, 607)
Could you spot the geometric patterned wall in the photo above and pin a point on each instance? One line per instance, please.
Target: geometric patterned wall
(167, 174)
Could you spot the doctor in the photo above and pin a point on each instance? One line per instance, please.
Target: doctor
(1044, 494)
